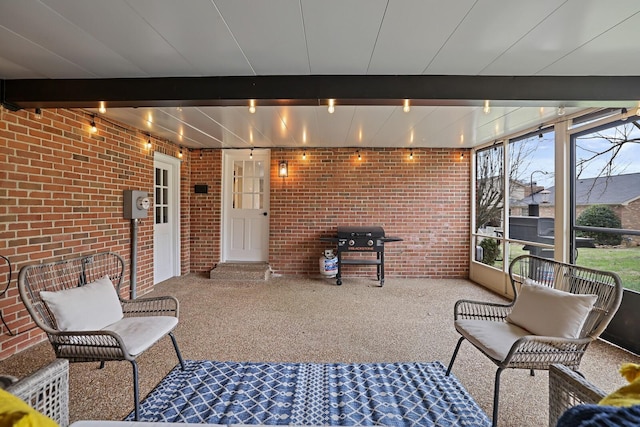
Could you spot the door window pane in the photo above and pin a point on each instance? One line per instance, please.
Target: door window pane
(248, 184)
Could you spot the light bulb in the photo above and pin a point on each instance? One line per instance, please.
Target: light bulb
(332, 107)
(411, 155)
(251, 154)
(38, 113)
(406, 107)
(304, 155)
(149, 144)
(180, 153)
(487, 108)
(102, 108)
(359, 156)
(252, 106)
(94, 128)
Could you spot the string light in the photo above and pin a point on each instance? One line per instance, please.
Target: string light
(359, 156)
(332, 107)
(149, 145)
(102, 108)
(304, 155)
(461, 156)
(200, 154)
(252, 106)
(94, 128)
(406, 107)
(38, 113)
(180, 153)
(251, 154)
(411, 154)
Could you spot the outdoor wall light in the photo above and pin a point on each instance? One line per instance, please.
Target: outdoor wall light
(283, 169)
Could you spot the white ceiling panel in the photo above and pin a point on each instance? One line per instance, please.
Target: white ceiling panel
(116, 25)
(575, 25)
(488, 30)
(413, 32)
(334, 127)
(270, 34)
(620, 61)
(366, 122)
(341, 34)
(50, 32)
(17, 49)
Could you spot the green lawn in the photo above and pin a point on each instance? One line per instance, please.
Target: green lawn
(624, 261)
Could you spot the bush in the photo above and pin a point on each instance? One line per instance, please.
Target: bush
(490, 251)
(600, 216)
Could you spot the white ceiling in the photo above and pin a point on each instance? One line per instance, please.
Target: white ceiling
(163, 38)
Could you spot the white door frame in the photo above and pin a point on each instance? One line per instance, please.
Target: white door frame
(227, 181)
(174, 210)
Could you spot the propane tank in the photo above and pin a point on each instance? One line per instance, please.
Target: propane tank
(328, 264)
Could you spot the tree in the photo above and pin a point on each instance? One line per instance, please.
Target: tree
(600, 216)
(489, 178)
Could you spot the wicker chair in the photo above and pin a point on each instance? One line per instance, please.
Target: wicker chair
(144, 321)
(47, 391)
(567, 389)
(485, 325)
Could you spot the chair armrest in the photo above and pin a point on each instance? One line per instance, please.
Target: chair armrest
(47, 391)
(478, 310)
(154, 306)
(567, 388)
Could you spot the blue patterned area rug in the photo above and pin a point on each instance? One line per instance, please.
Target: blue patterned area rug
(375, 394)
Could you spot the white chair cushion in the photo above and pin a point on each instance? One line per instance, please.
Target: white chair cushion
(140, 333)
(551, 312)
(494, 338)
(86, 308)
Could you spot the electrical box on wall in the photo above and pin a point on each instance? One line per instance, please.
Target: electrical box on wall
(136, 204)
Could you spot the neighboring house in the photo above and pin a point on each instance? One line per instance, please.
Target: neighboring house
(619, 192)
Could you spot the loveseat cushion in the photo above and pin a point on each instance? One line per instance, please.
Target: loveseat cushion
(86, 308)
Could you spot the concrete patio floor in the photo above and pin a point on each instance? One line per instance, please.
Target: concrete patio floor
(300, 319)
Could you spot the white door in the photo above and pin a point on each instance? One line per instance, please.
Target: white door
(245, 232)
(166, 218)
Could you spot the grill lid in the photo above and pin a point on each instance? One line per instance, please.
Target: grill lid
(345, 232)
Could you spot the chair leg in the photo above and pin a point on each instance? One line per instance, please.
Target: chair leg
(532, 373)
(175, 345)
(453, 358)
(496, 397)
(136, 391)
(102, 363)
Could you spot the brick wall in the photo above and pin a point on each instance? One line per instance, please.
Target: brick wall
(425, 201)
(206, 169)
(61, 195)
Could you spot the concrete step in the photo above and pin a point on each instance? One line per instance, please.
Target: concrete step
(241, 271)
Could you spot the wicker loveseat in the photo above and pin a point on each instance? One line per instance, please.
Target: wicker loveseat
(567, 389)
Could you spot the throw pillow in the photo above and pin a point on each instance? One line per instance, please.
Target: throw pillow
(550, 312)
(86, 308)
(16, 413)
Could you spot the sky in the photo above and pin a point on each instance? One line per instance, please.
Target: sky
(542, 158)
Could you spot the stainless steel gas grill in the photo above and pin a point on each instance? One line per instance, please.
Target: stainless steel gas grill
(361, 239)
